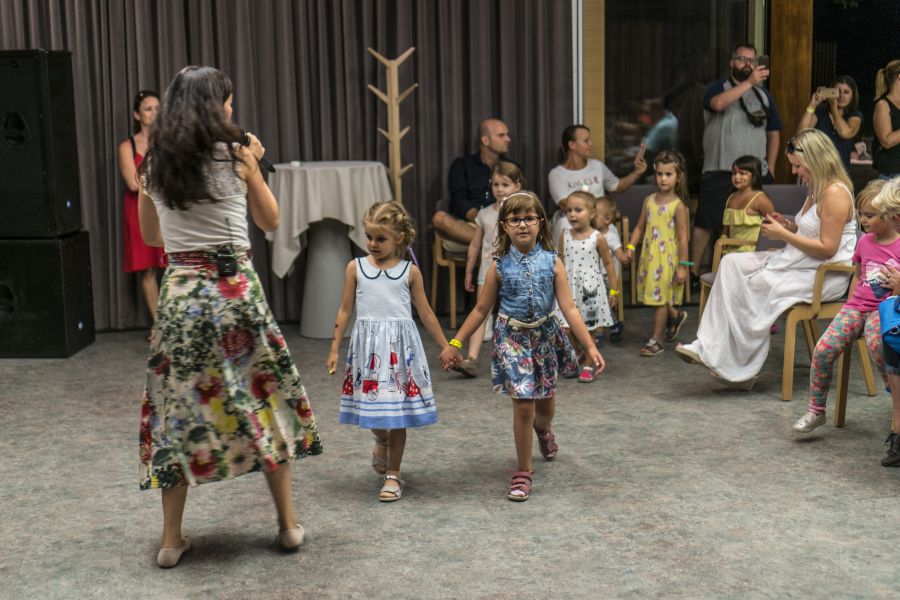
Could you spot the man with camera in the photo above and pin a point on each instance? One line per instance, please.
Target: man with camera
(741, 119)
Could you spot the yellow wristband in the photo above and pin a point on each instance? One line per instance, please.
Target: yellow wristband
(455, 343)
(613, 292)
(811, 111)
(629, 246)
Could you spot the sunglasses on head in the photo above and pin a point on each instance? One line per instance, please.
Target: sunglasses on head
(792, 147)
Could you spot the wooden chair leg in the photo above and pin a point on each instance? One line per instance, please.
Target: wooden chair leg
(633, 280)
(620, 304)
(787, 370)
(808, 333)
(843, 382)
(866, 364)
(434, 279)
(452, 268)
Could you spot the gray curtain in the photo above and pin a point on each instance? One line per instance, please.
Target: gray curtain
(300, 70)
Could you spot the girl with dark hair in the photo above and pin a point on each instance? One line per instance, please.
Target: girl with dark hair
(836, 116)
(746, 205)
(223, 397)
(577, 171)
(138, 256)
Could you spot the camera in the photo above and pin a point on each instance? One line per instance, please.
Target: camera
(226, 260)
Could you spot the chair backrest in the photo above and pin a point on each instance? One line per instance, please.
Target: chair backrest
(631, 201)
(787, 199)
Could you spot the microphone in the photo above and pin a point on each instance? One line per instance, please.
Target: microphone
(263, 162)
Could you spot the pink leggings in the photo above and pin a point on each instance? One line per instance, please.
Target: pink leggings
(845, 329)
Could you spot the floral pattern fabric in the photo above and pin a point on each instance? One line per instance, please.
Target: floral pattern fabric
(526, 363)
(659, 256)
(223, 397)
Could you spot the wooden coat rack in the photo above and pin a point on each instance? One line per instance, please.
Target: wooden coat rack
(393, 98)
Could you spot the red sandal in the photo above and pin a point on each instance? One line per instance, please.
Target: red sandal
(520, 486)
(547, 443)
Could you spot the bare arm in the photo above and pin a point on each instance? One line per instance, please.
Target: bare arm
(720, 102)
(681, 227)
(606, 259)
(809, 119)
(834, 210)
(882, 122)
(762, 204)
(149, 220)
(846, 128)
(638, 232)
(126, 166)
(854, 281)
(472, 256)
(773, 139)
(573, 317)
(345, 310)
(263, 205)
(426, 315)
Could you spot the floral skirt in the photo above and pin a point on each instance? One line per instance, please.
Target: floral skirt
(525, 363)
(223, 397)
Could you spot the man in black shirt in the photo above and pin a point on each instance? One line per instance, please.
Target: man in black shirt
(470, 183)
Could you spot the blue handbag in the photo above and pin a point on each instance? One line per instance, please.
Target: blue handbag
(889, 312)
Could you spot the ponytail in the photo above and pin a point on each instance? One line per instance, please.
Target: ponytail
(885, 77)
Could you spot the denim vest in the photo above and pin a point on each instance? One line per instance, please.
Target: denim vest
(526, 283)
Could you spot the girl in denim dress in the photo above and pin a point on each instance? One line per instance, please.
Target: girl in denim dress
(530, 350)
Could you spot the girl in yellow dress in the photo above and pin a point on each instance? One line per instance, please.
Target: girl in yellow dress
(745, 206)
(664, 254)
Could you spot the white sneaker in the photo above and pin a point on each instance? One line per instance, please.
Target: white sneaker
(809, 421)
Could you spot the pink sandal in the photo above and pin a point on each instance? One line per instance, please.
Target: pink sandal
(586, 375)
(520, 486)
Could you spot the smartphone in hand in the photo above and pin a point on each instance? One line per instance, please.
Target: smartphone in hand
(763, 61)
(828, 92)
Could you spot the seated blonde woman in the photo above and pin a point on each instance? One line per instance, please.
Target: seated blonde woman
(752, 289)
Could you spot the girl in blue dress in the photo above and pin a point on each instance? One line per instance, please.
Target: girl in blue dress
(387, 384)
(530, 349)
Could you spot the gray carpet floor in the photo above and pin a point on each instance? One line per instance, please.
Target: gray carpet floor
(666, 486)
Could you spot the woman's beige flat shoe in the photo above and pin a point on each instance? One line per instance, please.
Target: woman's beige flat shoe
(169, 557)
(291, 538)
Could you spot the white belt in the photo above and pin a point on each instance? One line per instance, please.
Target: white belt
(517, 324)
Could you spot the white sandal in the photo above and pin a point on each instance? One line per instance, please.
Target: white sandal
(389, 494)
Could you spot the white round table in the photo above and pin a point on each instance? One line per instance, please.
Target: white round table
(322, 205)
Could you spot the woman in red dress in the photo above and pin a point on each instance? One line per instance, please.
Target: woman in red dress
(139, 257)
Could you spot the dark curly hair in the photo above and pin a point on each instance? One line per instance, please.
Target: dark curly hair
(190, 124)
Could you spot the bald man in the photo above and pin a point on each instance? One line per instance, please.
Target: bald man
(470, 183)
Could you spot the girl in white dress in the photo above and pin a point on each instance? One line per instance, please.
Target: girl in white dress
(387, 384)
(584, 249)
(752, 289)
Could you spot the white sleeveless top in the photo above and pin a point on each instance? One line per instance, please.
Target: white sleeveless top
(809, 225)
(382, 294)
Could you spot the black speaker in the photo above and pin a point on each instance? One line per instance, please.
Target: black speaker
(39, 194)
(46, 308)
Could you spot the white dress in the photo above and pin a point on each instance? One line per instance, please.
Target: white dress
(751, 291)
(387, 384)
(584, 272)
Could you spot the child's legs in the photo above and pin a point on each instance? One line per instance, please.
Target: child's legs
(873, 343)
(279, 482)
(671, 311)
(396, 446)
(544, 409)
(661, 313)
(844, 329)
(173, 500)
(478, 337)
(523, 421)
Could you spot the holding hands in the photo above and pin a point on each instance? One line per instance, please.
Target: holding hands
(450, 357)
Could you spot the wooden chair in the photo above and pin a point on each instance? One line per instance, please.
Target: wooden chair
(806, 315)
(450, 261)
